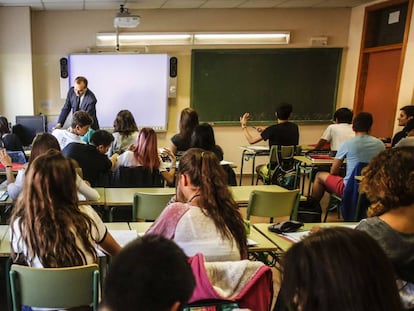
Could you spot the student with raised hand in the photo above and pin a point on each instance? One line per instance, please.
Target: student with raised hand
(284, 133)
(49, 229)
(338, 132)
(205, 218)
(337, 269)
(181, 141)
(389, 184)
(406, 114)
(145, 153)
(125, 132)
(150, 273)
(81, 122)
(41, 143)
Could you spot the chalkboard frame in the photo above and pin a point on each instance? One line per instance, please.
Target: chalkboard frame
(208, 66)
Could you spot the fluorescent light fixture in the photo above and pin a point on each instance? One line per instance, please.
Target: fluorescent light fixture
(137, 39)
(242, 38)
(131, 39)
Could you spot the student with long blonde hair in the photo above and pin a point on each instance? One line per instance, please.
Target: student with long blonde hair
(48, 226)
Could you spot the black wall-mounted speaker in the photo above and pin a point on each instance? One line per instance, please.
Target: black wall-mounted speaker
(64, 73)
(173, 66)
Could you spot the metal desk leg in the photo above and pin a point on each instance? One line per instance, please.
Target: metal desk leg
(241, 167)
(253, 167)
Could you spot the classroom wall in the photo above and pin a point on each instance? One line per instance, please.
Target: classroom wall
(54, 34)
(16, 82)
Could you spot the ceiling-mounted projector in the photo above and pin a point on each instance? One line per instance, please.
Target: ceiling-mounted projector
(124, 19)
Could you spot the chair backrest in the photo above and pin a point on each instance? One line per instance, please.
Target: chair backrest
(139, 176)
(353, 205)
(148, 206)
(54, 287)
(273, 204)
(281, 163)
(17, 156)
(247, 283)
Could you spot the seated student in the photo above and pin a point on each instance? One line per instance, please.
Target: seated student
(92, 158)
(181, 141)
(49, 229)
(339, 132)
(81, 122)
(8, 140)
(145, 153)
(362, 148)
(125, 132)
(389, 184)
(406, 114)
(409, 139)
(41, 143)
(284, 133)
(150, 273)
(205, 219)
(337, 269)
(203, 138)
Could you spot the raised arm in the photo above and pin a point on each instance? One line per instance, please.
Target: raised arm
(252, 139)
(7, 162)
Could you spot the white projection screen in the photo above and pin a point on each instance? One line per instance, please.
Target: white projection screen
(136, 82)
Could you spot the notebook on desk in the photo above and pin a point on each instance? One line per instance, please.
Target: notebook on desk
(319, 155)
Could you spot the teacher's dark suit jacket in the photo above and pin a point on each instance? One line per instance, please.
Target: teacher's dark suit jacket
(87, 104)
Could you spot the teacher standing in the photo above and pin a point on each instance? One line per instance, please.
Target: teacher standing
(79, 98)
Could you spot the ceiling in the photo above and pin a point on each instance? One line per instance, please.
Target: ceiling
(50, 5)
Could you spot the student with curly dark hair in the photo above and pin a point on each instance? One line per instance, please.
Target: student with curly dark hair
(389, 184)
(338, 269)
(205, 219)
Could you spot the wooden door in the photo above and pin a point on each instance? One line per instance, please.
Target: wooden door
(383, 44)
(381, 90)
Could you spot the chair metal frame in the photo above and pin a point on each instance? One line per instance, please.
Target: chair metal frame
(54, 287)
(276, 204)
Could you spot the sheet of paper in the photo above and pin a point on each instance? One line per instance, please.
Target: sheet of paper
(296, 236)
(258, 148)
(251, 242)
(123, 237)
(299, 235)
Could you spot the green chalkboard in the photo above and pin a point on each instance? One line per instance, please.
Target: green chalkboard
(227, 83)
